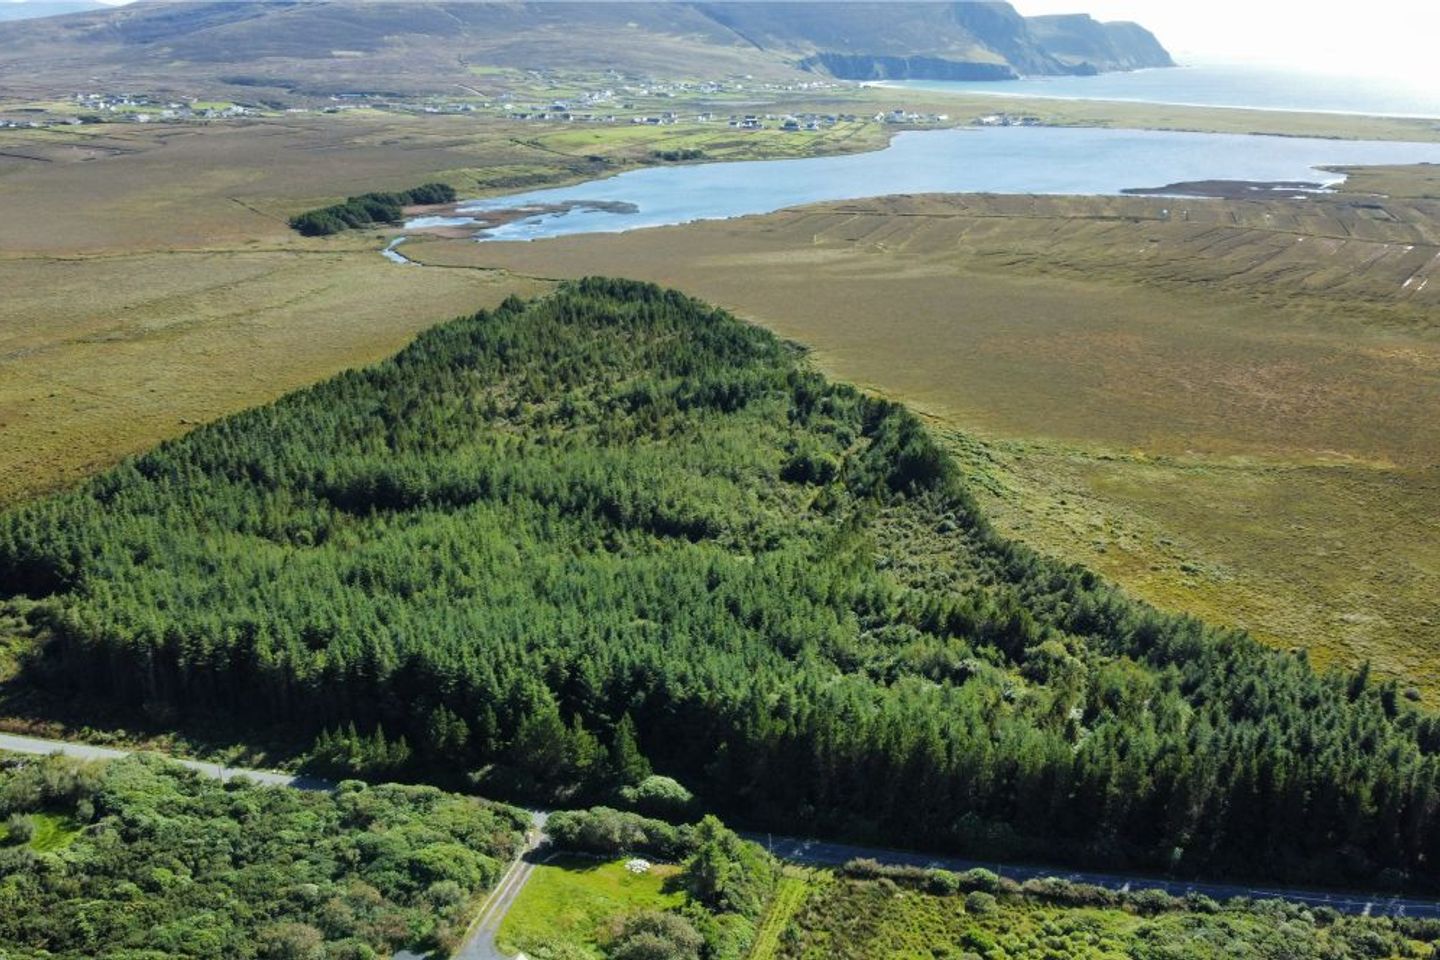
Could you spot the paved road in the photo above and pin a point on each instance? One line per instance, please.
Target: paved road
(818, 853)
(480, 941)
(274, 778)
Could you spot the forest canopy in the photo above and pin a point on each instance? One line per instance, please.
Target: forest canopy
(368, 209)
(167, 862)
(614, 532)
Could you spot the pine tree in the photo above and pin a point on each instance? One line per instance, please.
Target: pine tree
(446, 735)
(627, 763)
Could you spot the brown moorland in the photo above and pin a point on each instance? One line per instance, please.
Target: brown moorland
(1226, 406)
(1229, 417)
(151, 281)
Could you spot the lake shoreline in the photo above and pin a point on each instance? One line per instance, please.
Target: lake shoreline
(1236, 190)
(1023, 160)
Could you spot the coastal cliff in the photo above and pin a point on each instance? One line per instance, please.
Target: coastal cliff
(1084, 44)
(967, 40)
(854, 66)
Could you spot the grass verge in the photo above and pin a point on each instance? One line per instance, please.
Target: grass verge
(794, 886)
(573, 899)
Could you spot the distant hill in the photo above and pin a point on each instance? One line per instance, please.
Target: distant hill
(1082, 43)
(964, 41)
(317, 47)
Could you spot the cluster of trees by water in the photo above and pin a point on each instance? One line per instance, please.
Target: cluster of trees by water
(368, 209)
(165, 862)
(568, 543)
(678, 154)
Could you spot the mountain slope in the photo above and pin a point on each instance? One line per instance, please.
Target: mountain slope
(1085, 44)
(325, 46)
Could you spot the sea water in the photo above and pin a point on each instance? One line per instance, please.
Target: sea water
(1231, 85)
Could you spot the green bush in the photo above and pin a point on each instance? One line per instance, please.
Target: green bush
(653, 935)
(942, 883)
(177, 864)
(979, 878)
(980, 903)
(19, 830)
(658, 796)
(1151, 901)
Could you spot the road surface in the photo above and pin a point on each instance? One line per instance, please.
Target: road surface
(480, 941)
(81, 751)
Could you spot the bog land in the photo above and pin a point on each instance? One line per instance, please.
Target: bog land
(1225, 412)
(1220, 404)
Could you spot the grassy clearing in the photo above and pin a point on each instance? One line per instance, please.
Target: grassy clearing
(1223, 419)
(794, 886)
(1340, 559)
(53, 832)
(574, 900)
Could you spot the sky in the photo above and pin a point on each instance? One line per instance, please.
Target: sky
(1396, 38)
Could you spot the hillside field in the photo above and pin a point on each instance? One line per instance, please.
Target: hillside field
(1228, 409)
(151, 282)
(549, 549)
(152, 285)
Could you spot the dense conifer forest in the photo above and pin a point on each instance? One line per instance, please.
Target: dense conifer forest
(368, 209)
(567, 543)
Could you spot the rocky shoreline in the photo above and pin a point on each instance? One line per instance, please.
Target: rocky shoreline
(1232, 189)
(476, 223)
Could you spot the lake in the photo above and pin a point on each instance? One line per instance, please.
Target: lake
(1262, 88)
(1051, 160)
